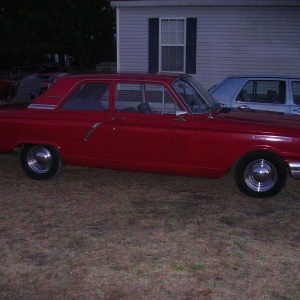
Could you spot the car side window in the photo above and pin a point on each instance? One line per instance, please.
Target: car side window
(89, 96)
(263, 91)
(296, 92)
(144, 99)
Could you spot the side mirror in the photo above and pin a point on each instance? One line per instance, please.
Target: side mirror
(179, 115)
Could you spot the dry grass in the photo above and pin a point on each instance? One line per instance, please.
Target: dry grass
(102, 234)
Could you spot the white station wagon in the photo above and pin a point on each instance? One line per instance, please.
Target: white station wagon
(272, 93)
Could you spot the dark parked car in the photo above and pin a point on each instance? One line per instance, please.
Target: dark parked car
(150, 123)
(30, 87)
(5, 85)
(273, 93)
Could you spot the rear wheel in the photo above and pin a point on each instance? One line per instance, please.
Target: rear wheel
(40, 162)
(260, 174)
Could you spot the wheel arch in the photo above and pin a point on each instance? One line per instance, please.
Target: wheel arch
(262, 149)
(40, 142)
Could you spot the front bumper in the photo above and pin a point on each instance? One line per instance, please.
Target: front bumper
(295, 170)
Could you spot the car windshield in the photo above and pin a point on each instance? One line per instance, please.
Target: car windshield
(196, 98)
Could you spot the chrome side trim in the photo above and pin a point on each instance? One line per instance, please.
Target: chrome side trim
(85, 138)
(42, 106)
(53, 97)
(295, 170)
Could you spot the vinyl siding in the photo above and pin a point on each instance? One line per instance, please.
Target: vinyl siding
(133, 40)
(230, 40)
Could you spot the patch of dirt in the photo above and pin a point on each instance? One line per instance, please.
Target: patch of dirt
(103, 234)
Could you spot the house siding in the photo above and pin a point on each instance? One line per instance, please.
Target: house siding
(230, 40)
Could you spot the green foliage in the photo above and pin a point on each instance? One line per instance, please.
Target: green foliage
(178, 267)
(213, 283)
(274, 237)
(197, 266)
(238, 254)
(30, 29)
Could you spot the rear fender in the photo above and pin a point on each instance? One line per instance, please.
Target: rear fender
(39, 142)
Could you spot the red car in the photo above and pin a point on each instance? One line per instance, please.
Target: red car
(150, 123)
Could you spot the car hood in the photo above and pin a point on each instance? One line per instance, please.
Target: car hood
(257, 120)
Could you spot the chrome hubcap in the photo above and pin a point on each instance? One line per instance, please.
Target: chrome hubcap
(39, 159)
(260, 175)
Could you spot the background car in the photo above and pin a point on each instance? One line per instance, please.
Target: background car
(5, 85)
(30, 87)
(272, 93)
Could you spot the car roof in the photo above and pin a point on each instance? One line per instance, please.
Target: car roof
(263, 76)
(129, 75)
(62, 86)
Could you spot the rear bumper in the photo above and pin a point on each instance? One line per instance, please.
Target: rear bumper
(295, 170)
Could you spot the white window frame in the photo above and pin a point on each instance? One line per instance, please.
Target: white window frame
(161, 45)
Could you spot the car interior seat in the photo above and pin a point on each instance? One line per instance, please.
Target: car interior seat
(144, 108)
(244, 95)
(271, 96)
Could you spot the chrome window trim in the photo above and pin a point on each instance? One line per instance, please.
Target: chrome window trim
(42, 106)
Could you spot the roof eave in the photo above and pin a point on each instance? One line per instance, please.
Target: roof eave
(140, 3)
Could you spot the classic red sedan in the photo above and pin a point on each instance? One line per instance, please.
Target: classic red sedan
(150, 123)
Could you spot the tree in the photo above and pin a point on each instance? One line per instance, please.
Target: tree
(29, 29)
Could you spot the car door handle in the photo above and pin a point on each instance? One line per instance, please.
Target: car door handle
(244, 107)
(297, 110)
(85, 137)
(116, 118)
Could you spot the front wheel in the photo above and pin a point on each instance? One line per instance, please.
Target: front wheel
(260, 174)
(40, 162)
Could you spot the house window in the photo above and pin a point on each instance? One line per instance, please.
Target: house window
(172, 45)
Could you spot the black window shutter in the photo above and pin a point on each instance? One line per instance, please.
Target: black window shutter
(153, 52)
(191, 44)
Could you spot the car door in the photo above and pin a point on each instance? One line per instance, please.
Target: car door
(144, 134)
(295, 97)
(263, 94)
(82, 128)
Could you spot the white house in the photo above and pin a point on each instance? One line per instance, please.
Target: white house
(210, 39)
